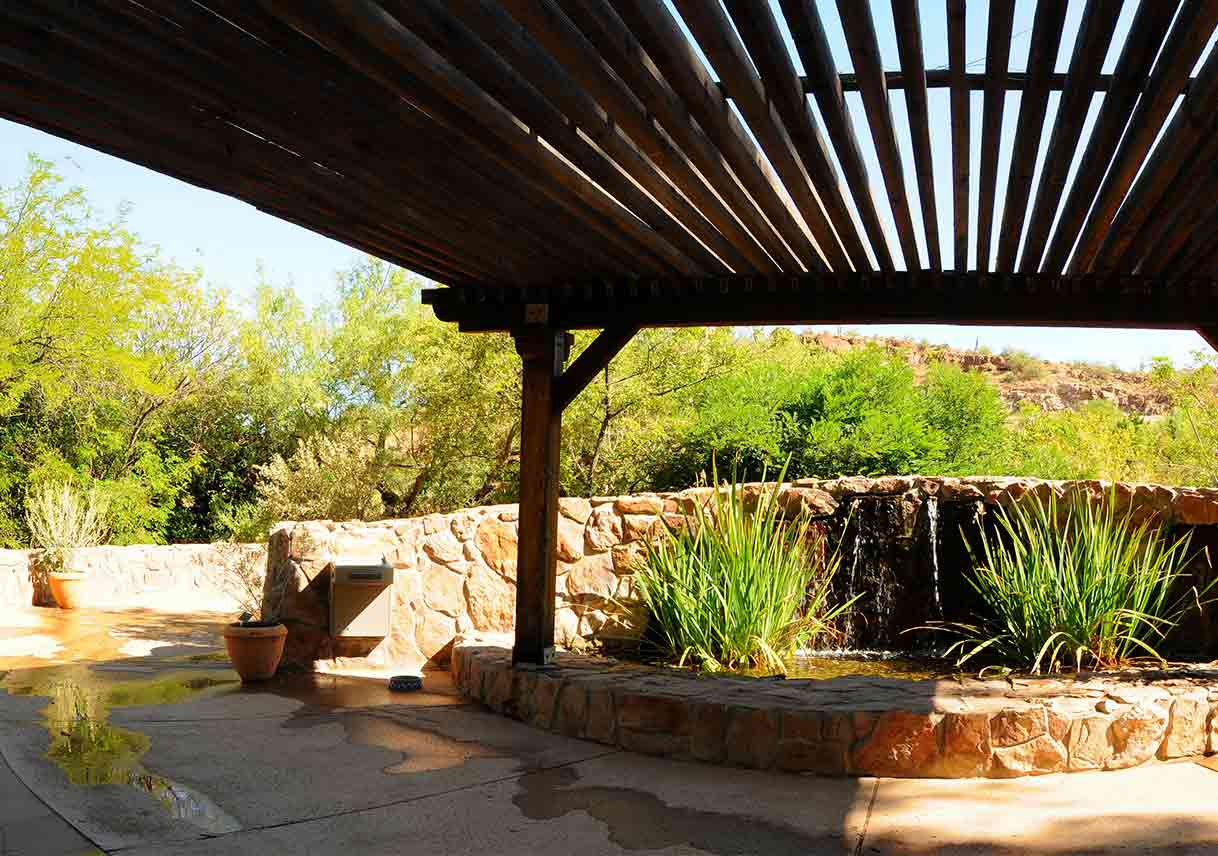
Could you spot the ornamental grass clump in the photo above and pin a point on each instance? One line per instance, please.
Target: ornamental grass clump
(1076, 585)
(732, 588)
(62, 518)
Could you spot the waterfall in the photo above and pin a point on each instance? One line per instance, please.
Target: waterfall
(852, 581)
(932, 522)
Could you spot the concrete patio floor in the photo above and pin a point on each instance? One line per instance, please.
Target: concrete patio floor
(126, 732)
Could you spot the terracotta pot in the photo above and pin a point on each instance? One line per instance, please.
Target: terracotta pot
(68, 589)
(255, 651)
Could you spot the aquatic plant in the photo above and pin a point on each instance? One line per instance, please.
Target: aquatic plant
(1074, 584)
(732, 587)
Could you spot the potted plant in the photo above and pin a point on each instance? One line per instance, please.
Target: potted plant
(255, 640)
(63, 519)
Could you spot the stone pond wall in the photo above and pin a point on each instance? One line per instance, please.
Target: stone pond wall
(900, 539)
(185, 576)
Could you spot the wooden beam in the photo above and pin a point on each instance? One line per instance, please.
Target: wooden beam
(997, 57)
(899, 298)
(1090, 48)
(628, 60)
(592, 361)
(779, 84)
(913, 64)
(1046, 37)
(865, 51)
(1188, 38)
(1210, 334)
(824, 83)
(653, 26)
(714, 33)
(961, 130)
(1187, 215)
(543, 350)
(940, 78)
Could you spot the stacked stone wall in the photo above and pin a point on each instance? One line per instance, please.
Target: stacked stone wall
(186, 575)
(901, 539)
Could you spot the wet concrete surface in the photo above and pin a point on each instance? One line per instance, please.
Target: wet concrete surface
(129, 733)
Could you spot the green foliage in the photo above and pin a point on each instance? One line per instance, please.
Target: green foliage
(62, 518)
(733, 588)
(1080, 584)
(1023, 366)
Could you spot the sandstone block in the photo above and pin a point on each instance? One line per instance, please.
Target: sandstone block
(1137, 734)
(442, 546)
(641, 527)
(570, 716)
(1186, 733)
(966, 746)
(1014, 726)
(649, 712)
(603, 531)
(592, 576)
(491, 601)
(751, 738)
(901, 743)
(708, 730)
(570, 546)
(496, 542)
(575, 508)
(646, 504)
(1089, 744)
(626, 557)
(444, 590)
(807, 500)
(434, 635)
(1041, 754)
(602, 713)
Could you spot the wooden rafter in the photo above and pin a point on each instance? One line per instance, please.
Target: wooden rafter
(865, 51)
(997, 57)
(1046, 37)
(913, 66)
(961, 131)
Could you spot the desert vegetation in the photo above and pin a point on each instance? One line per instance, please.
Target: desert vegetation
(196, 416)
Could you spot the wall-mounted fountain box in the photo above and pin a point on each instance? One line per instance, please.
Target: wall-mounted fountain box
(361, 597)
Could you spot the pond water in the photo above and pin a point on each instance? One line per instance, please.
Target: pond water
(824, 665)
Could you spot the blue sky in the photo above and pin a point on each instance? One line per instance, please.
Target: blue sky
(230, 240)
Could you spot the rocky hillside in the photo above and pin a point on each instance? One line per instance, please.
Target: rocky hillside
(1021, 377)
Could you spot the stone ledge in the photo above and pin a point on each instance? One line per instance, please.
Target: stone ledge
(858, 726)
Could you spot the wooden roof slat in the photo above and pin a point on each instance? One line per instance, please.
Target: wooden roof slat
(1188, 37)
(494, 26)
(865, 52)
(466, 106)
(824, 83)
(913, 64)
(398, 130)
(451, 38)
(1145, 37)
(997, 60)
(961, 130)
(781, 86)
(713, 31)
(1042, 54)
(627, 58)
(1190, 201)
(288, 94)
(659, 35)
(1090, 49)
(1193, 126)
(547, 24)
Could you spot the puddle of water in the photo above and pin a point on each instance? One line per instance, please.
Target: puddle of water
(422, 750)
(872, 664)
(91, 751)
(638, 820)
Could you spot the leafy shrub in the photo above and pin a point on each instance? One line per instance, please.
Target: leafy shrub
(1077, 584)
(733, 588)
(1023, 366)
(61, 518)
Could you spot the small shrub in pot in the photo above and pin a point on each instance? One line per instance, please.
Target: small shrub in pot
(62, 519)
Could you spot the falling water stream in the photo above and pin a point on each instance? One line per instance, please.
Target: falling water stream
(932, 523)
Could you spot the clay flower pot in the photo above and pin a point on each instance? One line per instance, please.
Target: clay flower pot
(68, 589)
(255, 650)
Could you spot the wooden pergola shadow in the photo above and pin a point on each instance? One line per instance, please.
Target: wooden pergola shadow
(575, 164)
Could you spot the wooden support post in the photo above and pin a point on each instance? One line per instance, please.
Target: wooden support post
(543, 351)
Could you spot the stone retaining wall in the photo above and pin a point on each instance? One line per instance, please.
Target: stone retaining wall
(188, 576)
(858, 726)
(900, 539)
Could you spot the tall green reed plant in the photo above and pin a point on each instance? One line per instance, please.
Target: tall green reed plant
(735, 588)
(1076, 584)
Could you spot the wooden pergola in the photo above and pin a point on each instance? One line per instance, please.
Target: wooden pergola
(564, 164)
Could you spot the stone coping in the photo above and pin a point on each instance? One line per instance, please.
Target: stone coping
(858, 726)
